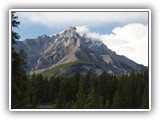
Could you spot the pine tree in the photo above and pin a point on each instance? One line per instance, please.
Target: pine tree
(19, 77)
(45, 90)
(117, 101)
(145, 99)
(33, 91)
(107, 104)
(145, 96)
(89, 83)
(60, 100)
(100, 102)
(54, 86)
(40, 88)
(80, 95)
(102, 86)
(106, 86)
(92, 101)
(138, 92)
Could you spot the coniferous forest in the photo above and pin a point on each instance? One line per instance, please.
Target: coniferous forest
(107, 91)
(104, 92)
(86, 92)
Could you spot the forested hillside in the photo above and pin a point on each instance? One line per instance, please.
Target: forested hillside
(89, 92)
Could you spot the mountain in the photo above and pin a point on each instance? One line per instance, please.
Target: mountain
(68, 52)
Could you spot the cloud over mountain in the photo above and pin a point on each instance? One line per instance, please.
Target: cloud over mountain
(130, 40)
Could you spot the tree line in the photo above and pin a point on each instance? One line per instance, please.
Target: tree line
(88, 92)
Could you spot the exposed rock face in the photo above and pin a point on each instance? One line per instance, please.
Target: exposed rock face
(46, 52)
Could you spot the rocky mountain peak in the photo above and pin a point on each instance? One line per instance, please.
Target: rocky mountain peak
(69, 31)
(67, 47)
(72, 29)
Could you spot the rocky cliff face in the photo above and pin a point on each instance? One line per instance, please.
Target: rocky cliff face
(46, 52)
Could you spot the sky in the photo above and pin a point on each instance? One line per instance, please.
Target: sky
(126, 33)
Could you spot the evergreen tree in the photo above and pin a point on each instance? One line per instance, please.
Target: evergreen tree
(33, 91)
(145, 96)
(102, 86)
(19, 78)
(145, 99)
(66, 95)
(120, 99)
(54, 86)
(38, 90)
(80, 95)
(92, 101)
(132, 92)
(100, 102)
(107, 104)
(117, 101)
(45, 90)
(60, 101)
(89, 83)
(129, 91)
(138, 92)
(111, 87)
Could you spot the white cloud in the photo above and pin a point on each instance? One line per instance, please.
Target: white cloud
(82, 29)
(51, 19)
(130, 40)
(131, 31)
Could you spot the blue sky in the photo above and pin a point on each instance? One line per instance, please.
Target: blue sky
(34, 30)
(126, 33)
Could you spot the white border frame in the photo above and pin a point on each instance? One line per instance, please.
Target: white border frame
(81, 10)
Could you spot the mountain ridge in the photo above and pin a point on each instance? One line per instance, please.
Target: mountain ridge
(46, 52)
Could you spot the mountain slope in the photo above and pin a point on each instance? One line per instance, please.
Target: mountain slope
(46, 53)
